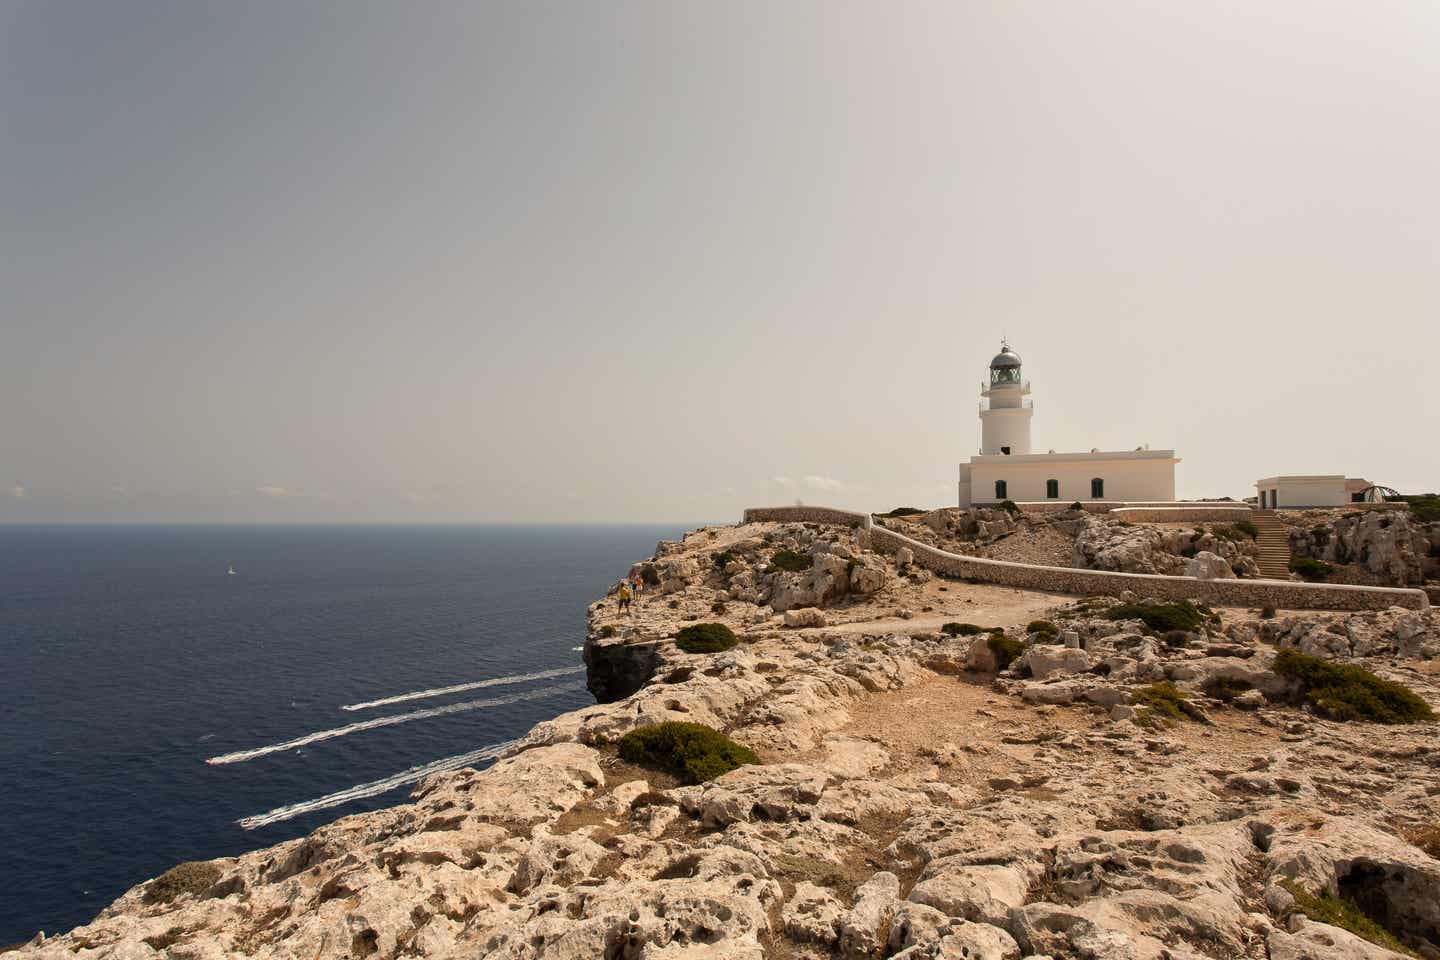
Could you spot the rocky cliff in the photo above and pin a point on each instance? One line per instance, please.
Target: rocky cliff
(947, 770)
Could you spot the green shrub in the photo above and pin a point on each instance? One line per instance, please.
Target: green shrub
(1224, 688)
(1175, 639)
(1076, 506)
(1310, 569)
(691, 751)
(1042, 631)
(1162, 698)
(705, 638)
(1189, 552)
(1244, 530)
(1427, 838)
(1424, 507)
(1345, 914)
(902, 512)
(722, 557)
(790, 561)
(718, 607)
(1343, 691)
(191, 878)
(1181, 615)
(1010, 507)
(608, 630)
(961, 629)
(1006, 650)
(1248, 528)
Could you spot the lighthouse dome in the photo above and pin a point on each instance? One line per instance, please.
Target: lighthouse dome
(1005, 358)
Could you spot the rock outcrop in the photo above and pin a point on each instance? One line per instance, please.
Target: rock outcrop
(1389, 544)
(910, 802)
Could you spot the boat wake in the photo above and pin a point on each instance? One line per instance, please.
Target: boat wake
(242, 755)
(461, 687)
(362, 790)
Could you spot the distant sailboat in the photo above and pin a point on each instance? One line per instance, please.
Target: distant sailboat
(231, 570)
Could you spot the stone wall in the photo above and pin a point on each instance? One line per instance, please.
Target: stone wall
(842, 518)
(1187, 514)
(1280, 594)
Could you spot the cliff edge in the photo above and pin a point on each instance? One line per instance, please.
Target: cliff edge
(946, 770)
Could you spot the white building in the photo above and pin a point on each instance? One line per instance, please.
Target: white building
(1298, 492)
(1007, 470)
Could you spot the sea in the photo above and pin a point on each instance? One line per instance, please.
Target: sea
(172, 693)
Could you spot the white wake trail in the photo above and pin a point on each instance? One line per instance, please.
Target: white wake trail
(462, 687)
(362, 790)
(378, 722)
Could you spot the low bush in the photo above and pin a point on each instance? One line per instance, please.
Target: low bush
(902, 512)
(1345, 914)
(1224, 688)
(1189, 552)
(1005, 649)
(961, 629)
(1427, 838)
(790, 561)
(608, 630)
(1041, 626)
(718, 607)
(705, 638)
(1181, 615)
(722, 557)
(1343, 691)
(1175, 639)
(161, 941)
(1244, 530)
(1010, 507)
(186, 878)
(1076, 506)
(691, 751)
(1162, 698)
(1424, 507)
(1311, 569)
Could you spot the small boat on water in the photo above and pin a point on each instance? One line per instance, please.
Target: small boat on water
(230, 571)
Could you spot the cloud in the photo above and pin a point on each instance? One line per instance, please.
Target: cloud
(266, 490)
(787, 482)
(827, 484)
(19, 492)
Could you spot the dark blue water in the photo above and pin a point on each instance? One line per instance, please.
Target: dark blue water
(128, 656)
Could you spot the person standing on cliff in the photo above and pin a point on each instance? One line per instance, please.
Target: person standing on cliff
(623, 598)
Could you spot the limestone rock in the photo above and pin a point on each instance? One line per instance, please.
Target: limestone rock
(984, 894)
(804, 617)
(1208, 566)
(1045, 661)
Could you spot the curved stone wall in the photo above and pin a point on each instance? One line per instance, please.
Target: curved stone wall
(1180, 514)
(843, 518)
(1282, 594)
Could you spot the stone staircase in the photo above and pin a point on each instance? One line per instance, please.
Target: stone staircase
(1274, 541)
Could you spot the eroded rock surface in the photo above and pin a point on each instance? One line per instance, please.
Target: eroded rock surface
(910, 803)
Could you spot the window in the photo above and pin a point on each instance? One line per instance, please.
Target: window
(1097, 488)
(1357, 497)
(1000, 491)
(1052, 489)
(1005, 450)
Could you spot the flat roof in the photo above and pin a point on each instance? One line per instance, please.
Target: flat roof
(1098, 455)
(1302, 477)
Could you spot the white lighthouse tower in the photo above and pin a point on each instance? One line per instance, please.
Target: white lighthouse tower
(1004, 412)
(1005, 469)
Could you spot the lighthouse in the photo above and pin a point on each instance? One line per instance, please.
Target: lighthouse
(1005, 469)
(1004, 410)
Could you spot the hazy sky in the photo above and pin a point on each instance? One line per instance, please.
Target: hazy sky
(276, 261)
